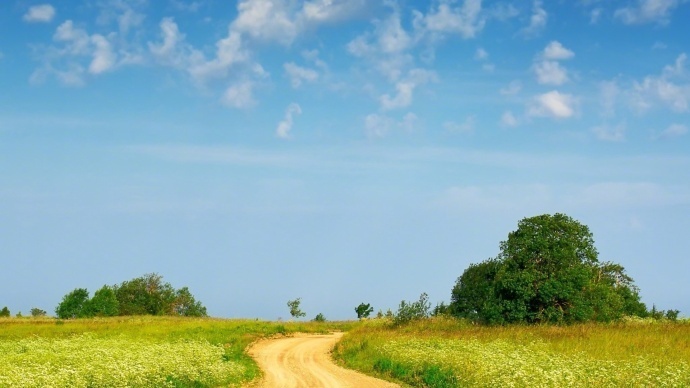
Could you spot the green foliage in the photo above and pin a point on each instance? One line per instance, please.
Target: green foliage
(547, 271)
(145, 295)
(320, 318)
(295, 311)
(410, 311)
(150, 295)
(73, 304)
(36, 312)
(103, 304)
(5, 312)
(363, 310)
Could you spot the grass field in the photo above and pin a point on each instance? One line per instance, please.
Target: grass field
(136, 351)
(199, 352)
(452, 353)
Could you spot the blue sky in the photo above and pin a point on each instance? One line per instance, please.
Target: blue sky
(338, 151)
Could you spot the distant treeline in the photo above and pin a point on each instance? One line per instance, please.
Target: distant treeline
(145, 295)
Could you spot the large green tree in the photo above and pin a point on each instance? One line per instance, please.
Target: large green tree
(103, 303)
(73, 304)
(547, 271)
(145, 295)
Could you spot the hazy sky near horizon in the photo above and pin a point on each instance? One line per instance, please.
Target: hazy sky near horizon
(341, 151)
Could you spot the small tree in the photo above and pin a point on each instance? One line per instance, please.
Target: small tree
(410, 311)
(295, 311)
(186, 306)
(5, 312)
(320, 318)
(36, 312)
(72, 305)
(363, 310)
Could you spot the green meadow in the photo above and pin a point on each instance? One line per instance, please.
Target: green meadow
(435, 352)
(141, 351)
(443, 352)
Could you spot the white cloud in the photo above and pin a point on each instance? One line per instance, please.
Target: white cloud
(674, 130)
(481, 54)
(265, 20)
(664, 88)
(330, 10)
(386, 47)
(550, 73)
(377, 126)
(43, 13)
(229, 51)
(647, 11)
(467, 126)
(103, 56)
(610, 133)
(537, 21)
(285, 126)
(509, 120)
(556, 51)
(299, 74)
(464, 20)
(239, 96)
(512, 89)
(282, 21)
(405, 89)
(553, 104)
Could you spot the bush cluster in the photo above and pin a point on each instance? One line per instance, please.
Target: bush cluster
(145, 295)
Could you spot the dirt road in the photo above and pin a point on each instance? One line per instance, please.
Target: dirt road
(304, 361)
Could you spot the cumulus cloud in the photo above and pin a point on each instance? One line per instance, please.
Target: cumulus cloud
(386, 47)
(285, 126)
(667, 88)
(281, 21)
(43, 13)
(405, 89)
(556, 51)
(647, 11)
(553, 104)
(229, 51)
(548, 70)
(298, 74)
(550, 73)
(464, 20)
(537, 21)
(240, 95)
(380, 125)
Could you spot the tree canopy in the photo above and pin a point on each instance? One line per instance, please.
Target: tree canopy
(547, 271)
(145, 295)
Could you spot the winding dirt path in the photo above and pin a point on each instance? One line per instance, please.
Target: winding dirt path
(304, 361)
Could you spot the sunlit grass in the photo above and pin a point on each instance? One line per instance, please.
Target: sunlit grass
(136, 351)
(448, 353)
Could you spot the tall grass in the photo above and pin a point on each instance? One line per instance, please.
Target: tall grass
(448, 353)
(136, 351)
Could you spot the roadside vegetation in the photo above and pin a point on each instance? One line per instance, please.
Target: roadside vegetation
(138, 351)
(451, 352)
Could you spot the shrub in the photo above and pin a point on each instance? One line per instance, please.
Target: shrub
(320, 318)
(409, 311)
(5, 312)
(36, 312)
